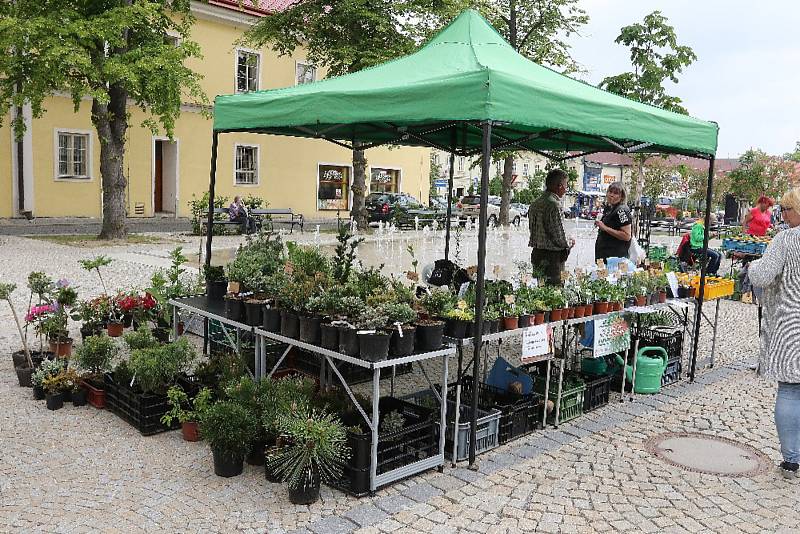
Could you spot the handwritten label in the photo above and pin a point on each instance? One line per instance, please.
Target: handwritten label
(463, 290)
(673, 283)
(233, 287)
(611, 334)
(536, 341)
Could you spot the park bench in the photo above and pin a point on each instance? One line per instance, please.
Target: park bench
(285, 215)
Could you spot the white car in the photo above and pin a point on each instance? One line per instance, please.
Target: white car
(470, 207)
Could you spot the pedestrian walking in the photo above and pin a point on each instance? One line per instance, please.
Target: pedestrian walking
(778, 273)
(546, 223)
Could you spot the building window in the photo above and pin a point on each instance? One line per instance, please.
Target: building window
(384, 181)
(247, 66)
(537, 168)
(246, 165)
(461, 161)
(305, 73)
(498, 165)
(333, 184)
(514, 167)
(434, 158)
(73, 156)
(526, 169)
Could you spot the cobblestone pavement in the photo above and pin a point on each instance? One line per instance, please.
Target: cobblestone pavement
(82, 469)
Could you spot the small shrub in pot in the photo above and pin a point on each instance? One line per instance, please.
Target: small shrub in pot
(188, 412)
(229, 429)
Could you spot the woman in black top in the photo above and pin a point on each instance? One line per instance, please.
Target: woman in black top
(614, 228)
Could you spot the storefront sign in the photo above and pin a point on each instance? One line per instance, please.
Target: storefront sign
(611, 334)
(536, 341)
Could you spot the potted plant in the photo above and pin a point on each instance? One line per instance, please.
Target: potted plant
(23, 372)
(216, 284)
(510, 317)
(188, 412)
(601, 289)
(47, 369)
(229, 429)
(310, 320)
(662, 283)
(54, 391)
(459, 320)
(271, 314)
(351, 308)
(291, 300)
(95, 356)
(430, 329)
(315, 453)
(401, 318)
(234, 306)
(373, 339)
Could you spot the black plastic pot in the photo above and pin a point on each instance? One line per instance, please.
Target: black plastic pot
(402, 346)
(55, 401)
(67, 395)
(290, 324)
(429, 336)
(252, 313)
(24, 376)
(310, 329)
(161, 334)
(269, 474)
(127, 320)
(525, 321)
(486, 326)
(234, 309)
(329, 336)
(227, 466)
(271, 319)
(495, 326)
(654, 298)
(19, 358)
(348, 341)
(256, 454)
(683, 292)
(38, 393)
(79, 397)
(307, 492)
(90, 330)
(216, 290)
(456, 328)
(373, 346)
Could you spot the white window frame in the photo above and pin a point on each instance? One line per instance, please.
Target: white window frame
(526, 169)
(514, 167)
(498, 166)
(257, 159)
(307, 64)
(236, 69)
(174, 35)
(461, 161)
(386, 168)
(349, 185)
(89, 176)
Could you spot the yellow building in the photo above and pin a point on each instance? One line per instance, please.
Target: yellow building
(57, 169)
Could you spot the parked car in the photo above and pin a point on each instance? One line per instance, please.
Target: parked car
(521, 208)
(470, 207)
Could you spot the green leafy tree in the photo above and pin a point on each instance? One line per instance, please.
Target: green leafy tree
(795, 155)
(345, 36)
(761, 174)
(537, 29)
(114, 52)
(435, 174)
(532, 189)
(656, 58)
(658, 178)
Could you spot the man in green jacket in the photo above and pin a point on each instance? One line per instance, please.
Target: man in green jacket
(546, 223)
(696, 244)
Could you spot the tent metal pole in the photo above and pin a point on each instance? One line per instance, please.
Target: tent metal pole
(479, 285)
(703, 269)
(449, 197)
(212, 182)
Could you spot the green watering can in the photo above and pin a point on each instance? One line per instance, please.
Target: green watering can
(649, 370)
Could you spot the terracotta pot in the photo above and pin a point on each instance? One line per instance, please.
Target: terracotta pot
(62, 348)
(115, 329)
(538, 318)
(662, 297)
(579, 311)
(510, 323)
(641, 300)
(600, 308)
(190, 431)
(616, 306)
(588, 309)
(97, 396)
(555, 315)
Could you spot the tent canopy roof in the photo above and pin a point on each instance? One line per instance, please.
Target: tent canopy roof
(439, 96)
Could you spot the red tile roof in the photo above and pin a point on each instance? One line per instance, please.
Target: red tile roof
(257, 7)
(612, 158)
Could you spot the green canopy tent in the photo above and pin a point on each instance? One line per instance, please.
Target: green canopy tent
(467, 91)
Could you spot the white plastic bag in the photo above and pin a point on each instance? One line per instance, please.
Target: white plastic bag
(636, 253)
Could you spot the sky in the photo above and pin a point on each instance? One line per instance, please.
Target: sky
(746, 77)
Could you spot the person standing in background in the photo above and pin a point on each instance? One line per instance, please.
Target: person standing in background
(614, 227)
(546, 223)
(759, 219)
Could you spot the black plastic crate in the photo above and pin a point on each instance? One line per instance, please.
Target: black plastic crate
(143, 411)
(672, 373)
(597, 392)
(669, 338)
(418, 440)
(520, 414)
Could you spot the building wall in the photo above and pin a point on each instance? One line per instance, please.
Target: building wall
(287, 166)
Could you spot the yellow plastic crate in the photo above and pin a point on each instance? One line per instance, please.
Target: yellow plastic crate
(716, 287)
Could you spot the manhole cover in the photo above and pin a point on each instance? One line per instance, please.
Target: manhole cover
(708, 454)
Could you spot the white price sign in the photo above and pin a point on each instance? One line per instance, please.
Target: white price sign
(611, 334)
(536, 341)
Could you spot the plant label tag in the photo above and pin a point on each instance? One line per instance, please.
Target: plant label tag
(288, 268)
(496, 271)
(510, 299)
(623, 266)
(411, 275)
(233, 287)
(463, 290)
(564, 276)
(600, 264)
(399, 328)
(133, 379)
(472, 270)
(533, 283)
(462, 305)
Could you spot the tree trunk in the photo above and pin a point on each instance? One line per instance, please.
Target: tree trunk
(359, 188)
(111, 123)
(508, 182)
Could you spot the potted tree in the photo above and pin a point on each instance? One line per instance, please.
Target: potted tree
(216, 284)
(23, 371)
(271, 314)
(95, 356)
(430, 328)
(315, 452)
(373, 339)
(229, 429)
(188, 412)
(351, 309)
(401, 316)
